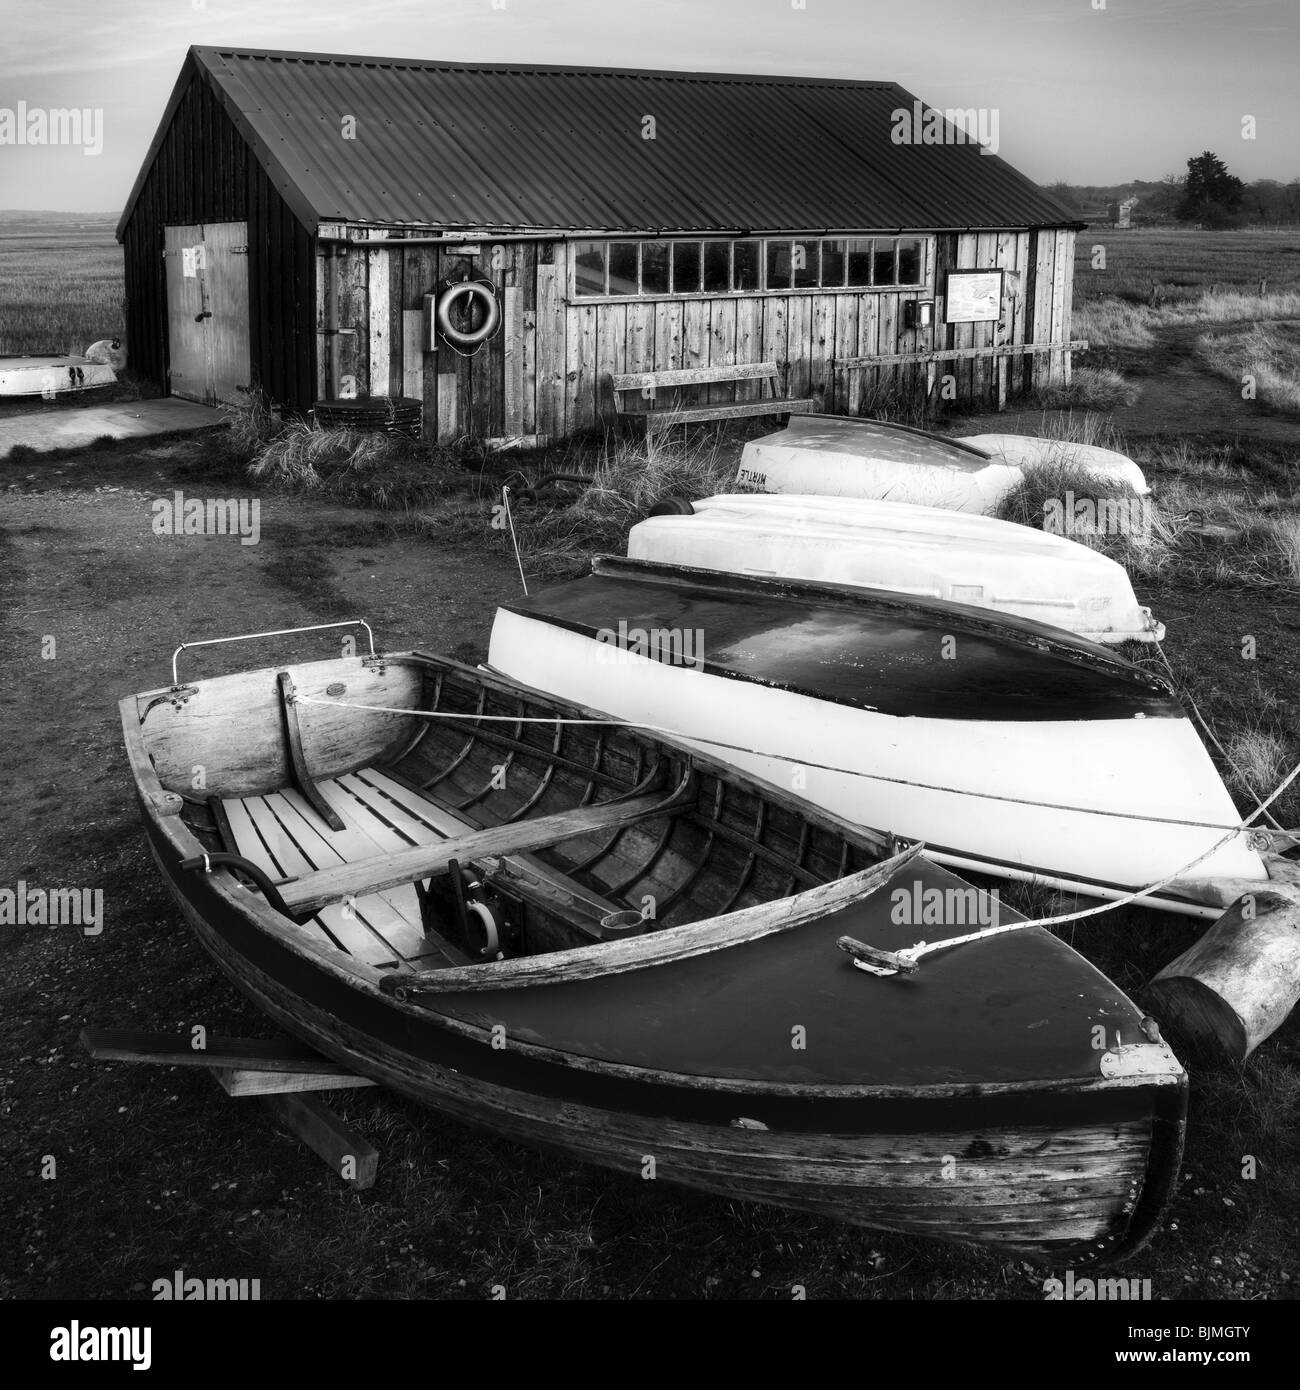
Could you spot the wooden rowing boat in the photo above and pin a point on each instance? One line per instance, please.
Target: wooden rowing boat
(873, 458)
(585, 936)
(1007, 746)
(926, 551)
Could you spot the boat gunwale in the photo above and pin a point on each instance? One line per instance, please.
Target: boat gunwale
(1004, 628)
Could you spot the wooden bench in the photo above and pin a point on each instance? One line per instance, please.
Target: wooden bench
(661, 417)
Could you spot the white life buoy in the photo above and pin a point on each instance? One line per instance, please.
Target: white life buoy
(108, 352)
(475, 291)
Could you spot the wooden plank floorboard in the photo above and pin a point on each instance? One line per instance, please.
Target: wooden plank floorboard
(391, 913)
(362, 930)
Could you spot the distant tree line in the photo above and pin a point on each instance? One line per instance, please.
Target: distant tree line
(1208, 194)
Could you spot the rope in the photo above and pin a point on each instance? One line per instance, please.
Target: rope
(514, 540)
(923, 948)
(761, 753)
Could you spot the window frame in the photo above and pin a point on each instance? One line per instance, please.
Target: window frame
(926, 242)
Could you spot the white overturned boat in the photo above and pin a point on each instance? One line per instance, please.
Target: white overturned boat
(50, 375)
(1027, 450)
(832, 457)
(908, 549)
(1007, 746)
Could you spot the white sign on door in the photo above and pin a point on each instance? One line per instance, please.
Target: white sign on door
(192, 260)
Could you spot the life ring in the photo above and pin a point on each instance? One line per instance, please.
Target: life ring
(475, 290)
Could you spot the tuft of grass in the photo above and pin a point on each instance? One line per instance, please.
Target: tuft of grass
(365, 467)
(1146, 549)
(629, 478)
(900, 398)
(1258, 759)
(252, 426)
(1267, 352)
(1230, 307)
(1113, 323)
(1090, 388)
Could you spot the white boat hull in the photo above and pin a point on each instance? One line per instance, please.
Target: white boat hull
(907, 549)
(1098, 806)
(1025, 450)
(831, 457)
(52, 376)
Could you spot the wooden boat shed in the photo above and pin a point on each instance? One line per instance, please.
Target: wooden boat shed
(298, 216)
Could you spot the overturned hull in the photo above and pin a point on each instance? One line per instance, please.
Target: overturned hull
(1006, 746)
(907, 549)
(52, 376)
(873, 459)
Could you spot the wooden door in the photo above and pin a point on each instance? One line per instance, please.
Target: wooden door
(207, 311)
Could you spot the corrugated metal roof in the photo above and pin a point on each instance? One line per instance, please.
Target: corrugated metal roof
(458, 146)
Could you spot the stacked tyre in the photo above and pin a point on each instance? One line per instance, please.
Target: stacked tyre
(402, 415)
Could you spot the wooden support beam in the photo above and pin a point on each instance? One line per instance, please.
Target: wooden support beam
(308, 1118)
(314, 891)
(949, 354)
(302, 778)
(177, 1050)
(241, 1081)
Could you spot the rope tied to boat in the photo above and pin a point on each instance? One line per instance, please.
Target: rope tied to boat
(906, 961)
(1185, 693)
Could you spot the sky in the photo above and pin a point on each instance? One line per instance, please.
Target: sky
(1085, 91)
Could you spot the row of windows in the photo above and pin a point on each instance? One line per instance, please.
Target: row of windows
(750, 264)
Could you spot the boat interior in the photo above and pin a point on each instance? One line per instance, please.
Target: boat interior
(412, 843)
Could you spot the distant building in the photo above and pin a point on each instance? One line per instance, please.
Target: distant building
(1121, 214)
(297, 215)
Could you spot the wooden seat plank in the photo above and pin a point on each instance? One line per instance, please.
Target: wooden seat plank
(680, 415)
(425, 861)
(661, 417)
(695, 376)
(528, 875)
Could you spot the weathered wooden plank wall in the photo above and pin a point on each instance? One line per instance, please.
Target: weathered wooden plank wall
(548, 371)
